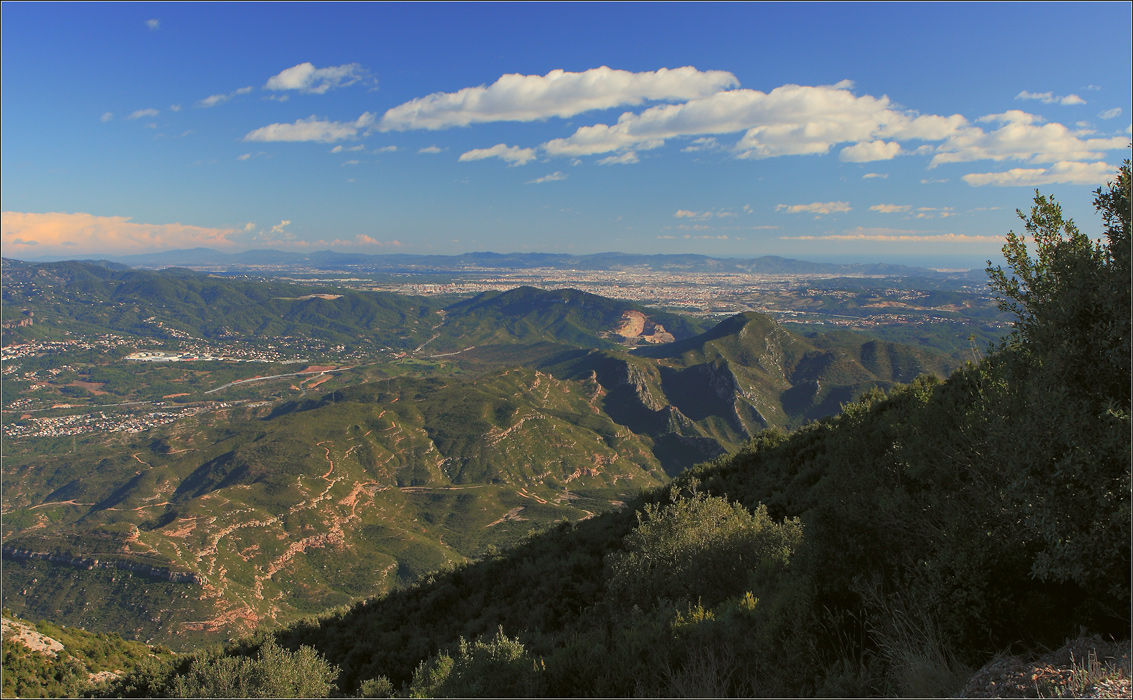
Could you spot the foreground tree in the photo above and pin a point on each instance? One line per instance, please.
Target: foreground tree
(1068, 371)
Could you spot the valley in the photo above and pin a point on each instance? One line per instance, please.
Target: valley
(190, 456)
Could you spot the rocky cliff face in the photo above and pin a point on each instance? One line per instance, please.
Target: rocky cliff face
(632, 377)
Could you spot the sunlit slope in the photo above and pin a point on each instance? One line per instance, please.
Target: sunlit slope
(89, 298)
(262, 513)
(530, 315)
(705, 395)
(320, 502)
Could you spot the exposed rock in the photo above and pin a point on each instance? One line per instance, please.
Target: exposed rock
(16, 631)
(1083, 668)
(634, 326)
(631, 376)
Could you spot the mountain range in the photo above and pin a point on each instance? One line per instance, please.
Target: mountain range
(508, 412)
(398, 262)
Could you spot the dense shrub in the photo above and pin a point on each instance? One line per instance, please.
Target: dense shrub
(698, 548)
(274, 673)
(498, 667)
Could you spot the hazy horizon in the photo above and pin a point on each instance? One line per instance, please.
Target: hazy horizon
(939, 262)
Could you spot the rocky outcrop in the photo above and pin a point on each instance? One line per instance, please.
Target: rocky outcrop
(23, 322)
(630, 376)
(634, 326)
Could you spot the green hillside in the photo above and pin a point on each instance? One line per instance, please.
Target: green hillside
(46, 660)
(86, 298)
(394, 478)
(391, 469)
(888, 550)
(707, 394)
(527, 315)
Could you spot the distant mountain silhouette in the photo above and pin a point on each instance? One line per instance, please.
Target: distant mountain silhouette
(330, 260)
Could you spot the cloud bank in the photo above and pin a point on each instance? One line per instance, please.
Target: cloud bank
(1063, 173)
(704, 106)
(891, 208)
(1050, 98)
(57, 233)
(814, 208)
(560, 94)
(789, 120)
(312, 129)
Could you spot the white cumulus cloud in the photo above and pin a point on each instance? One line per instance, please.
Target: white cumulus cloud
(868, 151)
(553, 177)
(705, 215)
(512, 155)
(1051, 98)
(560, 93)
(1021, 136)
(704, 143)
(153, 24)
(626, 158)
(1110, 113)
(306, 78)
(814, 208)
(148, 112)
(891, 208)
(312, 129)
(214, 100)
(789, 120)
(1061, 173)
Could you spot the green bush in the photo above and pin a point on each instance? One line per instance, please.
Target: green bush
(1068, 366)
(699, 547)
(32, 674)
(499, 667)
(274, 673)
(379, 687)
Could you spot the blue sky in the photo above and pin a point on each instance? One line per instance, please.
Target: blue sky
(863, 131)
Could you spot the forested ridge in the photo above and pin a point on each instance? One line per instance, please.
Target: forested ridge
(888, 550)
